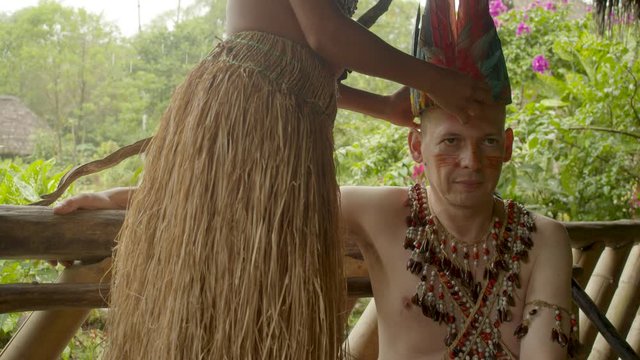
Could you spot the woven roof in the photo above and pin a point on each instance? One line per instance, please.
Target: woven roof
(17, 125)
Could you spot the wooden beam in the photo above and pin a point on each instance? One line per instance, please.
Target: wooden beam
(612, 233)
(32, 297)
(33, 232)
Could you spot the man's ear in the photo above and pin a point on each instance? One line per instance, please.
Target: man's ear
(508, 144)
(415, 145)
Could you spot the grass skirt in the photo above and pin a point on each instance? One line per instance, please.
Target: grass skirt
(230, 248)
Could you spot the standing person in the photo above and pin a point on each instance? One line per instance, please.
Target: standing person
(230, 248)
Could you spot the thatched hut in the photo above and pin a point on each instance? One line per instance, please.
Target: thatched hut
(18, 125)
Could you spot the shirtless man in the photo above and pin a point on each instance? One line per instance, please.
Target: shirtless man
(463, 164)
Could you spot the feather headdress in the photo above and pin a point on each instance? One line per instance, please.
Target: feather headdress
(467, 42)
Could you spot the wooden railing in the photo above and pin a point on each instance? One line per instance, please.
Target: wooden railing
(606, 260)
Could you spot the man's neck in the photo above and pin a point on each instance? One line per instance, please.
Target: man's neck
(466, 223)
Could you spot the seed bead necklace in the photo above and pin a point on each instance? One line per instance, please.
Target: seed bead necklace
(448, 292)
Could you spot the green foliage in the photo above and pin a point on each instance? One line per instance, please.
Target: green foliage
(577, 126)
(22, 184)
(369, 151)
(92, 86)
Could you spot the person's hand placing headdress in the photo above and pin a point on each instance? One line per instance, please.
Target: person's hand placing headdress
(467, 42)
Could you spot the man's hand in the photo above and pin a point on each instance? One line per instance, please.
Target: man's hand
(399, 109)
(459, 94)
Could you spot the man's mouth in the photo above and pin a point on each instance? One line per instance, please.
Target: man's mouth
(468, 182)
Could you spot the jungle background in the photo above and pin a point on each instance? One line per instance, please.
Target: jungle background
(575, 114)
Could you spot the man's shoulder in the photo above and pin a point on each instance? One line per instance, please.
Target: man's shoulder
(550, 237)
(369, 211)
(549, 230)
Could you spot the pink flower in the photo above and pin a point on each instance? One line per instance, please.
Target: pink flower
(418, 170)
(549, 5)
(540, 64)
(497, 7)
(523, 28)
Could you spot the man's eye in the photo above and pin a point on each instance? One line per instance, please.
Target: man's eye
(450, 141)
(491, 141)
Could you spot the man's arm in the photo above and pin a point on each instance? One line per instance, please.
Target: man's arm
(548, 296)
(352, 203)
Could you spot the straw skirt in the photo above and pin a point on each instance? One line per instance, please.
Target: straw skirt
(230, 247)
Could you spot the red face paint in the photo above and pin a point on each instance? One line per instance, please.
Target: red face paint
(493, 162)
(444, 160)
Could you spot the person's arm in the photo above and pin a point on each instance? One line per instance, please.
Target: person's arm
(116, 198)
(548, 294)
(395, 108)
(344, 42)
(112, 199)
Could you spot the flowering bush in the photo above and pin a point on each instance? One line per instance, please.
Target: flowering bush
(575, 116)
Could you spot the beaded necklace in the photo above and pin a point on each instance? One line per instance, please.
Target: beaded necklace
(447, 291)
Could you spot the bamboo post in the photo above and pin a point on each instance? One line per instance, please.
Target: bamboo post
(603, 325)
(623, 305)
(601, 287)
(633, 338)
(586, 259)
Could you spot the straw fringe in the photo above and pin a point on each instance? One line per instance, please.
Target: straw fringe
(230, 248)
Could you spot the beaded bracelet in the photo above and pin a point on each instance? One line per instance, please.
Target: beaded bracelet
(557, 335)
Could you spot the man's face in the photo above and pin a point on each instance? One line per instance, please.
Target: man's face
(463, 161)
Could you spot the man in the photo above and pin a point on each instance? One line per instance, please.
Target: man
(463, 164)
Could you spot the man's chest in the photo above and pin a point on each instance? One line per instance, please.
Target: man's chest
(404, 324)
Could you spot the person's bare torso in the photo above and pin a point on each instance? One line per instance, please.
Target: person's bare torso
(271, 16)
(404, 332)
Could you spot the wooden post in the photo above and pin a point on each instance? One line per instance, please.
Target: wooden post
(586, 259)
(601, 287)
(633, 338)
(602, 323)
(623, 305)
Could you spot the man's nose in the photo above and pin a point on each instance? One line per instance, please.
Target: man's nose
(470, 158)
